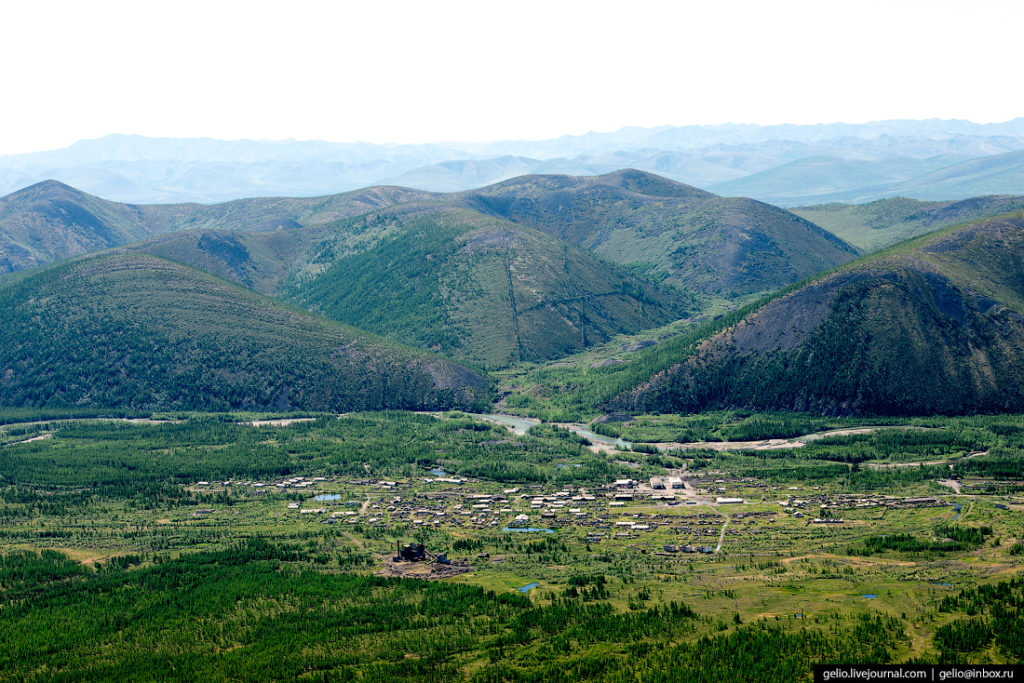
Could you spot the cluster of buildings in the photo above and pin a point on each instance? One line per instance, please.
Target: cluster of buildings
(257, 486)
(705, 549)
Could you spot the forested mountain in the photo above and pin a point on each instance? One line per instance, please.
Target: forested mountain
(669, 231)
(511, 272)
(133, 330)
(442, 278)
(50, 221)
(935, 325)
(480, 288)
(887, 221)
(660, 229)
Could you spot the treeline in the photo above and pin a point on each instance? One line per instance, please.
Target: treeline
(994, 447)
(900, 435)
(256, 611)
(995, 615)
(10, 415)
(949, 539)
(147, 465)
(21, 570)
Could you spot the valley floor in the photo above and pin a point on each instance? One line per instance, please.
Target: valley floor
(256, 547)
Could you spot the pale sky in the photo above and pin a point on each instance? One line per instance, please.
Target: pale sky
(435, 70)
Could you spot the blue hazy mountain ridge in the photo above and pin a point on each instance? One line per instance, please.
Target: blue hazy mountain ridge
(138, 169)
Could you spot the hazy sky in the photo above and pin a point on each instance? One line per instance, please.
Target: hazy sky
(434, 70)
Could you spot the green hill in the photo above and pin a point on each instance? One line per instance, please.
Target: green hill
(530, 269)
(439, 277)
(133, 330)
(50, 221)
(658, 228)
(994, 174)
(479, 288)
(260, 261)
(827, 176)
(669, 231)
(886, 222)
(935, 325)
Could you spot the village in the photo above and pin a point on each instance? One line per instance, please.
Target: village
(681, 513)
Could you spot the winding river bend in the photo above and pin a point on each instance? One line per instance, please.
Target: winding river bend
(521, 425)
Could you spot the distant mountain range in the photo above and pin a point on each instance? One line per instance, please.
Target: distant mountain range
(786, 165)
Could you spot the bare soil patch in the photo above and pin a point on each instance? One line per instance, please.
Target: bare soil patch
(423, 570)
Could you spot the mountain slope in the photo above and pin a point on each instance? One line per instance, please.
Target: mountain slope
(656, 227)
(324, 253)
(133, 330)
(885, 222)
(995, 174)
(477, 287)
(824, 176)
(50, 221)
(669, 231)
(935, 325)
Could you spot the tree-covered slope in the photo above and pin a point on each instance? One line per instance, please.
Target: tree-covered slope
(660, 229)
(474, 286)
(403, 262)
(134, 330)
(935, 325)
(50, 221)
(669, 231)
(260, 261)
(885, 222)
